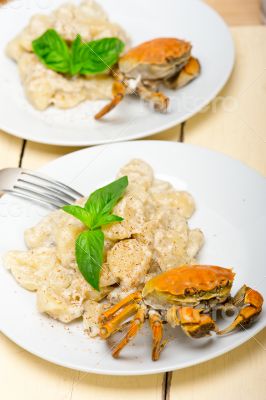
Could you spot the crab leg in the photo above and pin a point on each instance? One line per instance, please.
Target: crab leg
(113, 325)
(119, 92)
(171, 317)
(134, 328)
(159, 100)
(250, 302)
(108, 314)
(157, 335)
(111, 319)
(194, 324)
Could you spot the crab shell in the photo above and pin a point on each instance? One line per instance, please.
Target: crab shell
(157, 59)
(188, 285)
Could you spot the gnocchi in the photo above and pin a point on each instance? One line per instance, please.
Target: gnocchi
(153, 237)
(44, 87)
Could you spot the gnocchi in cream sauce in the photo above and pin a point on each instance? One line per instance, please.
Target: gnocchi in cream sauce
(153, 237)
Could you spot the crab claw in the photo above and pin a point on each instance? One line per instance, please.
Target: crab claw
(250, 302)
(188, 73)
(195, 324)
(159, 100)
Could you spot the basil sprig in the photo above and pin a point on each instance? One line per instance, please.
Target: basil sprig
(95, 214)
(82, 58)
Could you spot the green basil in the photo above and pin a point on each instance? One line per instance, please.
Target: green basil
(79, 213)
(106, 220)
(95, 57)
(76, 59)
(82, 58)
(53, 51)
(95, 214)
(103, 200)
(89, 255)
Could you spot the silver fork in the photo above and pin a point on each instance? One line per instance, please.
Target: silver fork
(36, 187)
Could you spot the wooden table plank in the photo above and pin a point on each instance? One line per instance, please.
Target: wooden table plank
(234, 123)
(239, 374)
(10, 149)
(37, 154)
(238, 12)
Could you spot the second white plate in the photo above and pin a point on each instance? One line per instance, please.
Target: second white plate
(188, 19)
(230, 201)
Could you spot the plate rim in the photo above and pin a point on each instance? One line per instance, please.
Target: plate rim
(150, 371)
(155, 370)
(196, 147)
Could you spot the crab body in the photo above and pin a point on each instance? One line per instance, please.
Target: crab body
(156, 59)
(189, 286)
(143, 69)
(182, 296)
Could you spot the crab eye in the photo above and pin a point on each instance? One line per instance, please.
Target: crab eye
(189, 291)
(224, 282)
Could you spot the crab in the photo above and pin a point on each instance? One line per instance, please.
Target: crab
(183, 296)
(143, 69)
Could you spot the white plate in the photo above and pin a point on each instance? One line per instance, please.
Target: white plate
(189, 19)
(230, 202)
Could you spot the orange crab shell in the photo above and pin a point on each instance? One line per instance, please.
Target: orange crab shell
(157, 51)
(198, 277)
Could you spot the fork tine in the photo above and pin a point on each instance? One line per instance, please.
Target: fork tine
(46, 179)
(46, 197)
(34, 198)
(49, 190)
(37, 187)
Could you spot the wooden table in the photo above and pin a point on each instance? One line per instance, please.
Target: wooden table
(235, 124)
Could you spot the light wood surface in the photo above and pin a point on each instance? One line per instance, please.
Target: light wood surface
(36, 155)
(10, 149)
(234, 125)
(238, 12)
(238, 375)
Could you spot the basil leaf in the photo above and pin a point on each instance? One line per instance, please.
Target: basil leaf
(53, 51)
(89, 256)
(95, 57)
(76, 59)
(103, 200)
(80, 213)
(106, 220)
